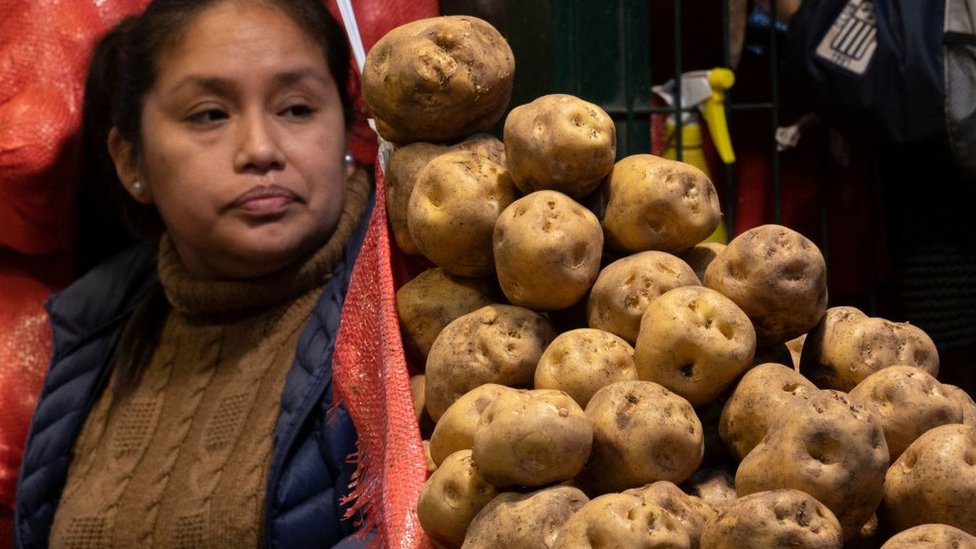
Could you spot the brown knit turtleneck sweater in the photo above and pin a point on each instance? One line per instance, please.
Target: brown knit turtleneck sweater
(183, 460)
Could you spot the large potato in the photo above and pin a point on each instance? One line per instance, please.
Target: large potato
(826, 446)
(494, 344)
(456, 427)
(581, 361)
(691, 511)
(755, 403)
(931, 536)
(622, 521)
(777, 276)
(438, 79)
(642, 433)
(524, 521)
(532, 438)
(934, 480)
(451, 498)
(625, 287)
(908, 401)
(773, 518)
(453, 208)
(653, 203)
(547, 251)
(848, 346)
(559, 142)
(431, 300)
(695, 342)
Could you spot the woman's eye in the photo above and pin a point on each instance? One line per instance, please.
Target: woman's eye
(208, 116)
(298, 111)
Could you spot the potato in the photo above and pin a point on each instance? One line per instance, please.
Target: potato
(931, 536)
(438, 79)
(714, 485)
(755, 403)
(652, 203)
(622, 521)
(848, 346)
(773, 518)
(547, 251)
(532, 438)
(934, 480)
(431, 300)
(424, 420)
(692, 512)
(494, 344)
(795, 347)
(559, 142)
(581, 361)
(826, 446)
(452, 211)
(777, 276)
(405, 164)
(642, 433)
(694, 341)
(456, 427)
(451, 498)
(963, 401)
(516, 520)
(908, 401)
(431, 465)
(700, 255)
(625, 287)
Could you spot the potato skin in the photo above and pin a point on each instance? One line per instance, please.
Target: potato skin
(524, 520)
(934, 481)
(847, 346)
(451, 498)
(559, 142)
(777, 276)
(931, 536)
(694, 341)
(438, 79)
(532, 438)
(908, 401)
(963, 401)
(700, 255)
(494, 344)
(431, 300)
(714, 485)
(621, 521)
(581, 361)
(691, 511)
(773, 518)
(652, 203)
(547, 251)
(755, 402)
(456, 427)
(624, 288)
(826, 446)
(642, 433)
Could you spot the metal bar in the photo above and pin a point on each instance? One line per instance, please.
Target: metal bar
(730, 194)
(774, 92)
(627, 45)
(678, 146)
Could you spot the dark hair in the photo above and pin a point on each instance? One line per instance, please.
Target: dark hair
(123, 69)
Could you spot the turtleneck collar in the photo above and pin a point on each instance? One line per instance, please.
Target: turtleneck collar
(203, 297)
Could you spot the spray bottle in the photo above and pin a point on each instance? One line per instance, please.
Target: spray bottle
(705, 90)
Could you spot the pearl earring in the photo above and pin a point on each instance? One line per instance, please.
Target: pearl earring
(137, 187)
(349, 159)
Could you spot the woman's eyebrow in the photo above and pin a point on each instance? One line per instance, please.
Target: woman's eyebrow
(221, 86)
(292, 77)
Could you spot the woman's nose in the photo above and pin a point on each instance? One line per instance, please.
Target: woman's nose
(258, 148)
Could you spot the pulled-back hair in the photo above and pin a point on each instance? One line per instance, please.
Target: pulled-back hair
(123, 69)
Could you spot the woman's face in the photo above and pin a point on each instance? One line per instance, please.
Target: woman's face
(243, 140)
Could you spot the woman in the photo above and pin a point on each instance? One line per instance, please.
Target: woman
(189, 397)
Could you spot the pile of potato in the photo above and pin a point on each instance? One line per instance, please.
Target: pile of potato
(597, 376)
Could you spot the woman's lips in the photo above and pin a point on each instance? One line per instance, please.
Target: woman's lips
(264, 201)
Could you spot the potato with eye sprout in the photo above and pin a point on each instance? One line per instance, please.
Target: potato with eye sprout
(451, 498)
(559, 142)
(533, 519)
(452, 211)
(774, 518)
(777, 276)
(581, 361)
(692, 512)
(456, 427)
(652, 203)
(621, 521)
(547, 251)
(624, 288)
(694, 341)
(494, 344)
(438, 79)
(847, 346)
